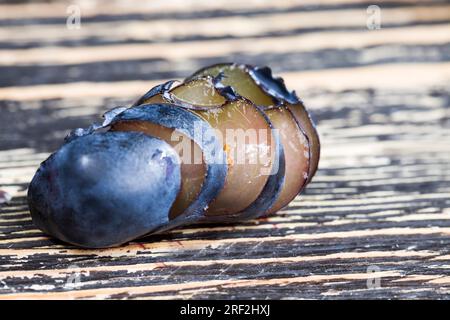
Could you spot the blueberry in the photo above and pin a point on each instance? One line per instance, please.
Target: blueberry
(105, 189)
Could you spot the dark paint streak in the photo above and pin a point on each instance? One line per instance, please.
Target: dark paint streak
(129, 70)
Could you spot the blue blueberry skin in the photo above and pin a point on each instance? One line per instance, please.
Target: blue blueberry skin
(200, 131)
(105, 189)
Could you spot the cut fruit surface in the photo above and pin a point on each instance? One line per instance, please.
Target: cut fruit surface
(249, 146)
(158, 98)
(246, 139)
(296, 152)
(305, 122)
(198, 92)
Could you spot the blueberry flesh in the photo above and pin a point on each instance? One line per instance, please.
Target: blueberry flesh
(105, 189)
(269, 194)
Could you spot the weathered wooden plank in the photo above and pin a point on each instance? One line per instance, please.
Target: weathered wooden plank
(188, 9)
(365, 77)
(379, 206)
(288, 61)
(281, 25)
(412, 35)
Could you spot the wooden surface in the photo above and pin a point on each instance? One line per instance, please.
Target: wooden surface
(375, 222)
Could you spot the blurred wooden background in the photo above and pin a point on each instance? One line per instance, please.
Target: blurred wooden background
(375, 222)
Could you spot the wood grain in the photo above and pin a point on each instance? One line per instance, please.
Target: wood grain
(378, 209)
